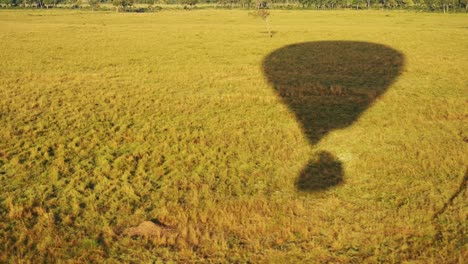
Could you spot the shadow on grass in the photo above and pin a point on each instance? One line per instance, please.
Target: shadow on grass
(328, 85)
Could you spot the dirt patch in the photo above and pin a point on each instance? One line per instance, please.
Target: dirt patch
(149, 229)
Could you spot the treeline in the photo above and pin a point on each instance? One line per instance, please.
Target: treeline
(428, 5)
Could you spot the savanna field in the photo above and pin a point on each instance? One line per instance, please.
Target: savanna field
(348, 147)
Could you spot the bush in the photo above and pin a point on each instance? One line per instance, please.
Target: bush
(154, 8)
(141, 9)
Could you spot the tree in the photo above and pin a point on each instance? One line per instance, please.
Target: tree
(74, 3)
(122, 4)
(408, 3)
(305, 3)
(93, 4)
(10, 2)
(191, 3)
(246, 3)
(263, 13)
(357, 3)
(51, 3)
(29, 3)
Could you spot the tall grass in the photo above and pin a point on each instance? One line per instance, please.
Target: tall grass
(108, 120)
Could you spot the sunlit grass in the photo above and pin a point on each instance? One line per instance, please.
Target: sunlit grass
(108, 120)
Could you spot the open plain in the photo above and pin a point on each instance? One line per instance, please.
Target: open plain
(341, 139)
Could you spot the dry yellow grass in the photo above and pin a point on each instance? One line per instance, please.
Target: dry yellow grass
(108, 120)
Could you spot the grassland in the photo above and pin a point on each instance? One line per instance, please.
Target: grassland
(108, 120)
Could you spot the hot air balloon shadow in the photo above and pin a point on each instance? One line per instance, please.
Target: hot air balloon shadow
(328, 85)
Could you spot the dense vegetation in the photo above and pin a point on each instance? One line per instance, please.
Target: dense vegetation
(340, 139)
(427, 5)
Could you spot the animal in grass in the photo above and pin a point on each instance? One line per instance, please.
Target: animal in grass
(328, 85)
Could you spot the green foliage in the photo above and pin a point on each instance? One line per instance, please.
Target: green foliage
(75, 3)
(122, 3)
(306, 3)
(12, 3)
(189, 2)
(93, 3)
(52, 3)
(430, 5)
(30, 2)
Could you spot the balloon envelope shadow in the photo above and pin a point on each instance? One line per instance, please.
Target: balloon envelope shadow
(328, 85)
